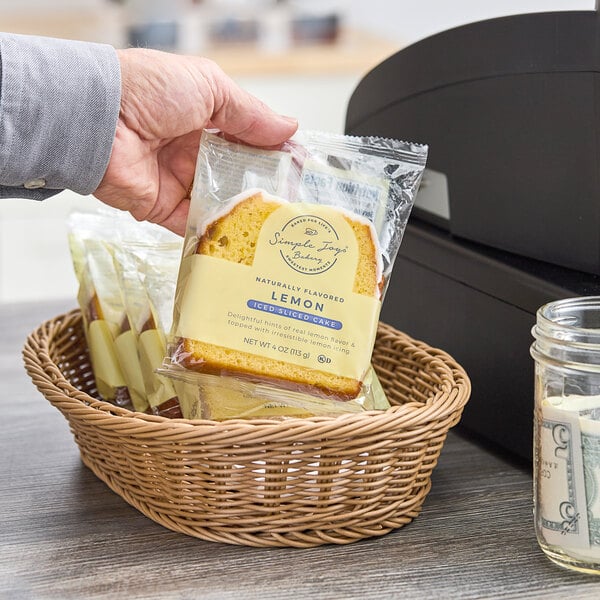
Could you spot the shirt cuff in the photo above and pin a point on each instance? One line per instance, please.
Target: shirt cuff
(59, 105)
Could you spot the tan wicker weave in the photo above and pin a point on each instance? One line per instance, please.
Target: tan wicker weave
(297, 482)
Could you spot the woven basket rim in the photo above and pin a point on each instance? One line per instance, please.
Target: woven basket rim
(60, 392)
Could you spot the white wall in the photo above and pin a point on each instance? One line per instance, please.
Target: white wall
(407, 21)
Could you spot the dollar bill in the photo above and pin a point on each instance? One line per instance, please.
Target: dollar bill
(590, 445)
(561, 495)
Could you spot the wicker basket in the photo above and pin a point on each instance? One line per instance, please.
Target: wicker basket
(297, 482)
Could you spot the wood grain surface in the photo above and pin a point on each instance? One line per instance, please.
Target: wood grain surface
(64, 534)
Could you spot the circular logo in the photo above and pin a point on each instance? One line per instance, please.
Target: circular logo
(309, 244)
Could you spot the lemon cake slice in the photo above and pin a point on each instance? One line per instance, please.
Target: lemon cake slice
(234, 236)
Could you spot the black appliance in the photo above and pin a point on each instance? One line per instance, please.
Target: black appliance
(508, 215)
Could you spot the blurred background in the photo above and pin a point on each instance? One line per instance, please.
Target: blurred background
(303, 58)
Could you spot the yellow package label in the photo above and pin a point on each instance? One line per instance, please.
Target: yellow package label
(126, 347)
(152, 351)
(188, 396)
(103, 356)
(220, 403)
(296, 301)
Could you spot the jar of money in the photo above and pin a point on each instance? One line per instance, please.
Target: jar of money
(567, 432)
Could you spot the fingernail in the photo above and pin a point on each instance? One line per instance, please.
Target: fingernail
(291, 120)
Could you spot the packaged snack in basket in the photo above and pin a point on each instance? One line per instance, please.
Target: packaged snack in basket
(105, 321)
(127, 273)
(286, 260)
(219, 398)
(147, 260)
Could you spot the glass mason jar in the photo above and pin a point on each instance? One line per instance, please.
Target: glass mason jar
(566, 467)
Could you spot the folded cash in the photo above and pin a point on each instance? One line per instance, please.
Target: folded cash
(568, 462)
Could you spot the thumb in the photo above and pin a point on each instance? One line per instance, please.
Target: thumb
(243, 116)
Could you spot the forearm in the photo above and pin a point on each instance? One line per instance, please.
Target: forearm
(59, 104)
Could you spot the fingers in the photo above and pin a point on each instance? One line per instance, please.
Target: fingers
(167, 101)
(166, 95)
(177, 220)
(245, 117)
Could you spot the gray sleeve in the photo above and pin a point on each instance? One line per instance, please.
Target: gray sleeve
(59, 105)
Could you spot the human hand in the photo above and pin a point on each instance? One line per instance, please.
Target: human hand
(166, 101)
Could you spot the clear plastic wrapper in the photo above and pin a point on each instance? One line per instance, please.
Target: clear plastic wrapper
(105, 321)
(286, 260)
(127, 273)
(147, 259)
(220, 398)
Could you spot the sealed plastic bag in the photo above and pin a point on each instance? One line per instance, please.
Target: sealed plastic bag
(127, 273)
(146, 259)
(219, 398)
(105, 321)
(286, 260)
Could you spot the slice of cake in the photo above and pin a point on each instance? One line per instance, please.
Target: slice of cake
(233, 236)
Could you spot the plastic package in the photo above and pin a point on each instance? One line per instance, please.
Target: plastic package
(127, 273)
(147, 259)
(220, 397)
(105, 320)
(286, 260)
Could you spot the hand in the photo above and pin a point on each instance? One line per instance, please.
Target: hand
(166, 101)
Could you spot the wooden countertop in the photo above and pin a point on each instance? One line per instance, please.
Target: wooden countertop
(66, 535)
(355, 52)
